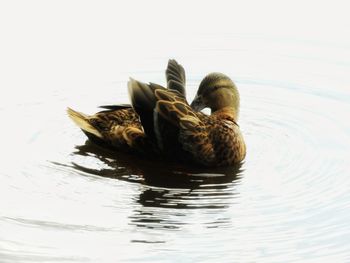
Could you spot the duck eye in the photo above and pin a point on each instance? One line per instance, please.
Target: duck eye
(210, 90)
(215, 88)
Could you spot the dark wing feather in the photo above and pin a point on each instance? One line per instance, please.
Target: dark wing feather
(115, 107)
(162, 112)
(176, 77)
(143, 100)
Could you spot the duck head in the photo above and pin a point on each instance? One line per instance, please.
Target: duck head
(217, 91)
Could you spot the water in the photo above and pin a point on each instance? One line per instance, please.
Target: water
(65, 200)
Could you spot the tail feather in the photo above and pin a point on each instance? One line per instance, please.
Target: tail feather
(82, 120)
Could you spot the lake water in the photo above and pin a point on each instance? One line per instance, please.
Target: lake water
(66, 200)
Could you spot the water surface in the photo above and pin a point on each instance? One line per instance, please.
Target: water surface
(65, 200)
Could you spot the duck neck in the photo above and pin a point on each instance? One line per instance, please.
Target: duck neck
(229, 113)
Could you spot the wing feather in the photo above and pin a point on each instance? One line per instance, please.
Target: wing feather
(115, 107)
(176, 77)
(144, 102)
(195, 139)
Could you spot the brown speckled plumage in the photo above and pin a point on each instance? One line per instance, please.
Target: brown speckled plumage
(162, 123)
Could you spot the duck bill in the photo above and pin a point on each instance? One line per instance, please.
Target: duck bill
(197, 103)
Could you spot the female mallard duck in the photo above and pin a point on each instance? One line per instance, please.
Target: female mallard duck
(160, 122)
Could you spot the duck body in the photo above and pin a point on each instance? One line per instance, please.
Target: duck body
(220, 142)
(117, 128)
(160, 122)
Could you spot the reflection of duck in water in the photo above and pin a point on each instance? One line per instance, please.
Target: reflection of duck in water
(177, 186)
(127, 167)
(161, 123)
(165, 184)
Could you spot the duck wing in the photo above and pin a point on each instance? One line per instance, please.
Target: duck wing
(192, 128)
(176, 77)
(145, 99)
(116, 107)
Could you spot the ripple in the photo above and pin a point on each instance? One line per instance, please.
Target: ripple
(289, 201)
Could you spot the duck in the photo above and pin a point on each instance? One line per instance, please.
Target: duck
(160, 123)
